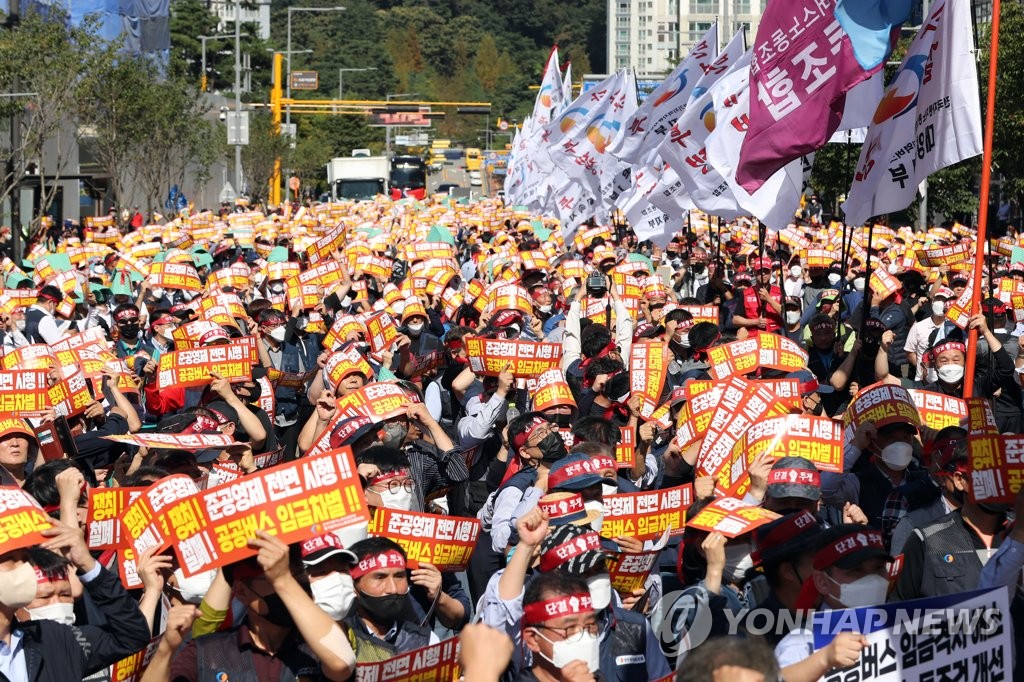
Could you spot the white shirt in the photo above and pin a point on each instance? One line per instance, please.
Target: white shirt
(917, 341)
(794, 287)
(49, 330)
(797, 646)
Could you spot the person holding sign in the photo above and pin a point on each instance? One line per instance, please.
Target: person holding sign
(849, 571)
(761, 307)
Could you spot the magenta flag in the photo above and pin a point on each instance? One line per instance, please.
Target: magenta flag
(803, 65)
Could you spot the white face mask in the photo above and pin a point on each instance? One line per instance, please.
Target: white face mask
(415, 328)
(545, 308)
(277, 288)
(583, 647)
(897, 455)
(193, 589)
(277, 333)
(951, 374)
(595, 525)
(334, 593)
(833, 278)
(20, 324)
(158, 292)
(18, 586)
(938, 308)
(792, 316)
(346, 302)
(858, 283)
(893, 268)
(796, 271)
(869, 590)
(609, 489)
(59, 613)
(737, 561)
(600, 587)
(684, 339)
(401, 499)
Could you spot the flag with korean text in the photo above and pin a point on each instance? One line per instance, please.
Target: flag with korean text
(775, 201)
(549, 98)
(685, 148)
(806, 59)
(652, 121)
(929, 117)
(583, 153)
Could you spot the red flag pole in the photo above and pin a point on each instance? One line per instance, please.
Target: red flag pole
(986, 181)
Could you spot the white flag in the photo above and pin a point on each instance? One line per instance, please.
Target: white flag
(549, 98)
(929, 117)
(652, 121)
(685, 149)
(566, 87)
(775, 202)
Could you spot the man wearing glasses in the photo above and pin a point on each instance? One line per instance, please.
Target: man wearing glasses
(560, 629)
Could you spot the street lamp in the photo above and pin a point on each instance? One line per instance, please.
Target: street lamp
(288, 56)
(387, 128)
(341, 75)
(203, 39)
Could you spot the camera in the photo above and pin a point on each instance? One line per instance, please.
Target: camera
(597, 285)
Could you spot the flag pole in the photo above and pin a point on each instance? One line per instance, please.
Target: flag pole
(986, 181)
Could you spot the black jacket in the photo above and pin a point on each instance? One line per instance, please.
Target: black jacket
(58, 653)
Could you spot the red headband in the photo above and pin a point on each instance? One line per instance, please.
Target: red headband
(520, 440)
(558, 555)
(388, 475)
(563, 475)
(604, 462)
(49, 576)
(563, 506)
(949, 345)
(848, 544)
(49, 297)
(204, 423)
(389, 559)
(785, 532)
(566, 605)
(798, 476)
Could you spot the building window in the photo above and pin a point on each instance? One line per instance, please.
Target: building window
(703, 6)
(741, 7)
(623, 34)
(696, 32)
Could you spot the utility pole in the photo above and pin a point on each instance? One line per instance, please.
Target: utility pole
(14, 164)
(238, 98)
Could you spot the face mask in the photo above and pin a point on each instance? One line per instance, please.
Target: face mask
(415, 329)
(59, 613)
(277, 333)
(869, 590)
(552, 448)
(129, 331)
(792, 317)
(277, 288)
(20, 324)
(699, 268)
(157, 292)
(833, 278)
(951, 374)
(512, 331)
(583, 647)
(545, 309)
(600, 587)
(18, 586)
(395, 434)
(684, 339)
(609, 489)
(401, 499)
(595, 525)
(892, 268)
(796, 271)
(385, 609)
(938, 308)
(192, 590)
(277, 613)
(346, 302)
(737, 561)
(334, 594)
(897, 455)
(858, 283)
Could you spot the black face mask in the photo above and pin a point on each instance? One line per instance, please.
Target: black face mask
(277, 613)
(699, 268)
(384, 609)
(562, 420)
(552, 448)
(129, 331)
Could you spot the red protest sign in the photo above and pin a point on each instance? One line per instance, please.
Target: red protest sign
(528, 358)
(552, 391)
(731, 359)
(731, 517)
(379, 401)
(442, 541)
(881, 404)
(743, 403)
(944, 255)
(981, 420)
(629, 572)
(625, 449)
(818, 439)
(144, 524)
(175, 276)
(959, 311)
(646, 515)
(35, 356)
(648, 366)
(176, 441)
(295, 501)
(70, 396)
(22, 520)
(426, 363)
(435, 663)
(939, 410)
(24, 393)
(381, 331)
(192, 367)
(103, 516)
(701, 313)
(997, 467)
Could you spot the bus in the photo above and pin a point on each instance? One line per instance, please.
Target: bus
(472, 159)
(408, 177)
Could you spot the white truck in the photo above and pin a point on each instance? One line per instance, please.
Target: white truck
(357, 178)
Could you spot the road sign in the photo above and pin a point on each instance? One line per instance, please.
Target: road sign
(405, 119)
(503, 125)
(305, 80)
(238, 127)
(288, 130)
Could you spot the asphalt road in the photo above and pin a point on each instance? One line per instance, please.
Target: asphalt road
(454, 174)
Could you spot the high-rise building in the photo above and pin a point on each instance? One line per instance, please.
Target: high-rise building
(651, 36)
(250, 13)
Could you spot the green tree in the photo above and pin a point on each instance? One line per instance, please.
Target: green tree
(258, 156)
(1008, 132)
